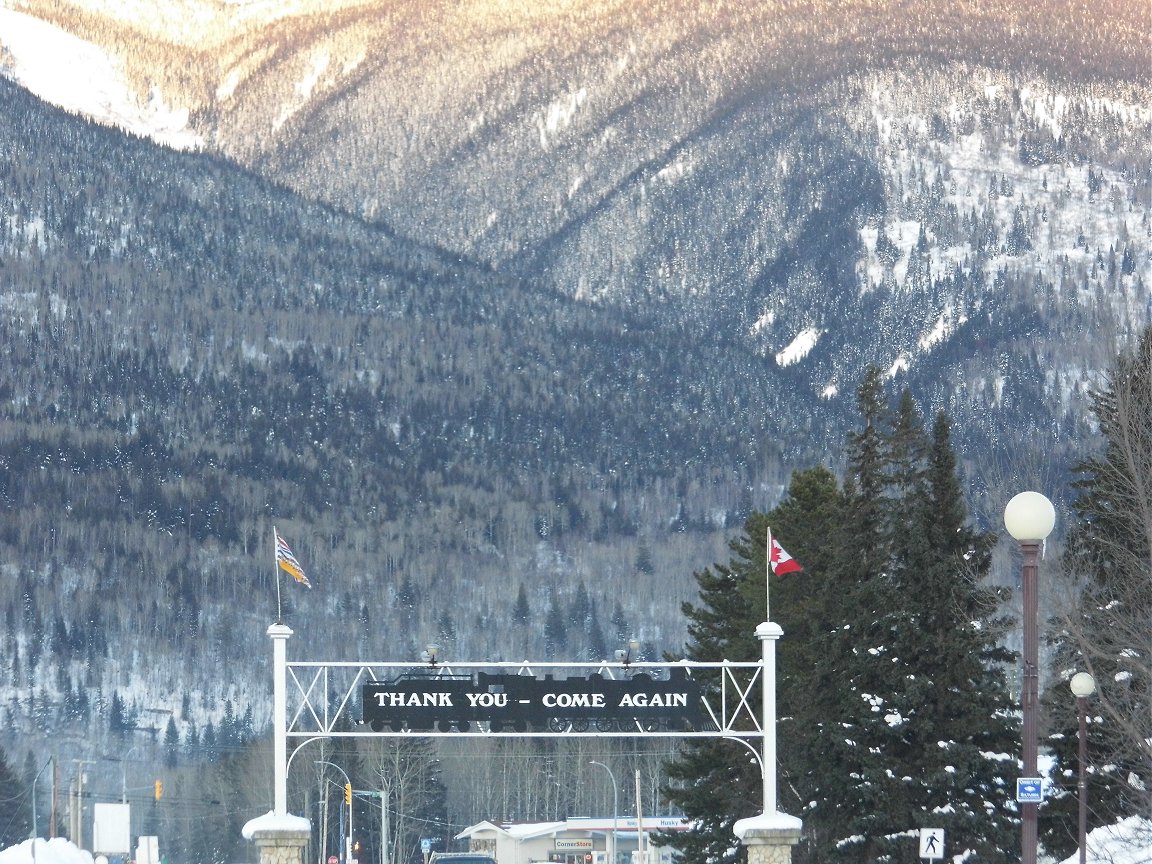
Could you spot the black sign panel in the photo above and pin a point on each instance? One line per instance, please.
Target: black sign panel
(423, 701)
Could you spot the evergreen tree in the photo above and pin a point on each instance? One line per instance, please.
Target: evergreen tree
(807, 692)
(714, 783)
(1109, 549)
(620, 628)
(892, 693)
(860, 598)
(555, 628)
(938, 691)
(711, 781)
(644, 562)
(521, 612)
(171, 743)
(597, 648)
(117, 716)
(15, 805)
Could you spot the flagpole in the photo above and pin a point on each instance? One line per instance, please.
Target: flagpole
(770, 828)
(276, 576)
(768, 576)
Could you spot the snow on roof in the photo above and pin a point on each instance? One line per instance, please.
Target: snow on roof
(520, 831)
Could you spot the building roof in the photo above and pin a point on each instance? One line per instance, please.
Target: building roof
(586, 824)
(518, 830)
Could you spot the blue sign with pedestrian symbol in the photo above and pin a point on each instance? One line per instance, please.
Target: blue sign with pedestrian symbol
(1029, 790)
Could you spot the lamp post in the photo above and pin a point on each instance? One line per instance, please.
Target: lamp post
(615, 807)
(1029, 518)
(35, 827)
(348, 839)
(78, 815)
(626, 656)
(124, 775)
(1083, 685)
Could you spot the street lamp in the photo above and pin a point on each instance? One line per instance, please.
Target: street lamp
(1083, 685)
(348, 839)
(615, 807)
(35, 827)
(124, 774)
(1029, 518)
(628, 655)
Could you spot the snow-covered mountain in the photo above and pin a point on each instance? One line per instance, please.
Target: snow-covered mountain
(84, 78)
(636, 152)
(557, 290)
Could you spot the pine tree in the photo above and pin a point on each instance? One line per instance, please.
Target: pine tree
(860, 602)
(15, 805)
(1109, 549)
(711, 782)
(522, 612)
(714, 782)
(171, 743)
(806, 692)
(117, 716)
(938, 707)
(555, 627)
(892, 692)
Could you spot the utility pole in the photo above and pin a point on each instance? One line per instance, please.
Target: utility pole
(55, 784)
(78, 835)
(324, 830)
(384, 802)
(641, 843)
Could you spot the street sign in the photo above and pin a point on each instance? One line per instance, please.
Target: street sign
(931, 842)
(1029, 790)
(332, 859)
(426, 845)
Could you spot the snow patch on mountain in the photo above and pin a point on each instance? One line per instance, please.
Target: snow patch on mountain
(1054, 220)
(82, 78)
(799, 347)
(558, 116)
(304, 88)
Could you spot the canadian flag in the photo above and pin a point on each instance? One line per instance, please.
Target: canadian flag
(779, 560)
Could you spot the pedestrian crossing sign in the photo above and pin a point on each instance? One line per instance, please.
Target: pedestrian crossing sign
(931, 843)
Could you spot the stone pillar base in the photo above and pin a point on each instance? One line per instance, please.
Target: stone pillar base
(279, 839)
(769, 838)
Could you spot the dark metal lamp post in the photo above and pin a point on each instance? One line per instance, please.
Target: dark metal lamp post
(1083, 685)
(1029, 518)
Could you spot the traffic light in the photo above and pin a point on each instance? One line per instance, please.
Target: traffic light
(158, 789)
(348, 793)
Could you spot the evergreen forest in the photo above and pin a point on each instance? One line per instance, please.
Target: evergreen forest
(898, 701)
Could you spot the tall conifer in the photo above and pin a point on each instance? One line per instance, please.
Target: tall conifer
(894, 712)
(1107, 633)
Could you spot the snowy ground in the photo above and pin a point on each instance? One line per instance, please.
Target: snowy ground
(1127, 842)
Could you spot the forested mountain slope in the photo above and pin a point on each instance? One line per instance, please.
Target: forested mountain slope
(194, 354)
(491, 127)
